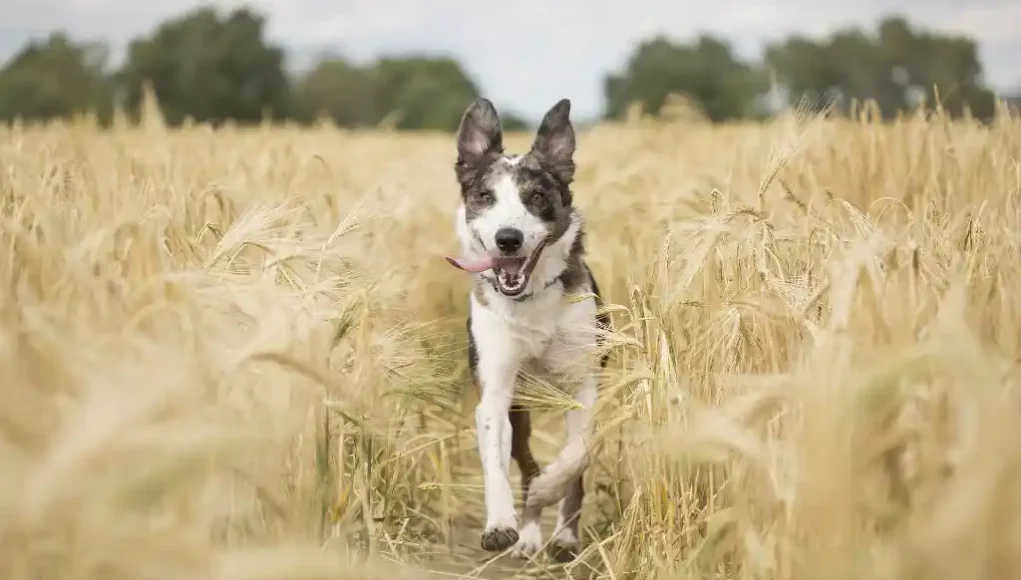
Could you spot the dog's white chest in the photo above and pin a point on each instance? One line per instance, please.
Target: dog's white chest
(533, 324)
(549, 332)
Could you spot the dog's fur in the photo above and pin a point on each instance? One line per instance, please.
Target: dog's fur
(543, 328)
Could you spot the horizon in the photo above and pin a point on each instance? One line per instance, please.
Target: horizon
(574, 62)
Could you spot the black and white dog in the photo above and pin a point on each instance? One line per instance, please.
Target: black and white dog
(522, 240)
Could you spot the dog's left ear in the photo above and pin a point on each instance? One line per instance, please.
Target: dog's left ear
(554, 141)
(480, 132)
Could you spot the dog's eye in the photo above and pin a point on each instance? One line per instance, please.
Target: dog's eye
(485, 196)
(536, 198)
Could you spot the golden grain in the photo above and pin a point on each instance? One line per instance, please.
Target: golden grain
(240, 354)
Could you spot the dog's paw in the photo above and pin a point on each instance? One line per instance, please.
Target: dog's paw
(562, 551)
(563, 547)
(530, 541)
(498, 538)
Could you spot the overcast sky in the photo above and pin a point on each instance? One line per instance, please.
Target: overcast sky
(526, 54)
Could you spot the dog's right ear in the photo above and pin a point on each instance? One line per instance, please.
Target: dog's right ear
(480, 132)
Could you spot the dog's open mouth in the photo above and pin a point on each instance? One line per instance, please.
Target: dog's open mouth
(512, 272)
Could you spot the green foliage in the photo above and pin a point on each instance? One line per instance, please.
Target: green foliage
(212, 68)
(411, 93)
(208, 68)
(338, 90)
(55, 79)
(898, 67)
(426, 93)
(707, 72)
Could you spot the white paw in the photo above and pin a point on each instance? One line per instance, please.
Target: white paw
(529, 540)
(498, 538)
(500, 533)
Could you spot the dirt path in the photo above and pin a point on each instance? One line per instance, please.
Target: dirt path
(465, 559)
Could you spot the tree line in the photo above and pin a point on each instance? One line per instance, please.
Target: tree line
(213, 67)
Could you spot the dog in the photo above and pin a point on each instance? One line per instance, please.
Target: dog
(535, 308)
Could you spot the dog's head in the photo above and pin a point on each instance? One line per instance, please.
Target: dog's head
(513, 205)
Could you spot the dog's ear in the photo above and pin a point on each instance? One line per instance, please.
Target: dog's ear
(554, 141)
(480, 132)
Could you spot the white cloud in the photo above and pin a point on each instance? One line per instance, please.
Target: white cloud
(529, 53)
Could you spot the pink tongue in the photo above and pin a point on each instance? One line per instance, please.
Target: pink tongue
(510, 265)
(473, 266)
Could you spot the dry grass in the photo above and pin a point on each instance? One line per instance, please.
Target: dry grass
(240, 354)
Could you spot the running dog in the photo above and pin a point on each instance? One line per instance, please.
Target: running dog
(533, 309)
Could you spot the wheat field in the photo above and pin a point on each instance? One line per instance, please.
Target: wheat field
(239, 353)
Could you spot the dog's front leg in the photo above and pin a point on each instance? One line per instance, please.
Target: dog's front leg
(561, 480)
(579, 435)
(498, 363)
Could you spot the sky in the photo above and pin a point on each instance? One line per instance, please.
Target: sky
(527, 54)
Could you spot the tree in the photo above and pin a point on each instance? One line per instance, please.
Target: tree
(208, 68)
(511, 121)
(55, 79)
(415, 92)
(1013, 102)
(897, 67)
(706, 72)
(339, 90)
(425, 93)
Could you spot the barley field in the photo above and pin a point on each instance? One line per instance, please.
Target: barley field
(239, 354)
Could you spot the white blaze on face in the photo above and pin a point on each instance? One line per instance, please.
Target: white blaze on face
(508, 211)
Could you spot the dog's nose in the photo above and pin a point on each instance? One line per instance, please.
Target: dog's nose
(509, 239)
